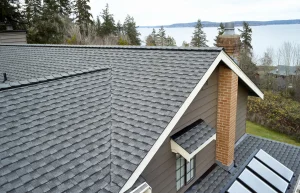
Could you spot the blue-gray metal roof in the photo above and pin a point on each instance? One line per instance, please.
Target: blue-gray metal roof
(87, 130)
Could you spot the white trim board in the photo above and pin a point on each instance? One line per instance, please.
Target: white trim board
(234, 67)
(188, 156)
(143, 188)
(221, 57)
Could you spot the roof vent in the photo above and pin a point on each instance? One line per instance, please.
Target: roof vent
(5, 77)
(229, 28)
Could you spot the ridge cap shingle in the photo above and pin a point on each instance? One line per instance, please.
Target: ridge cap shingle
(48, 78)
(173, 48)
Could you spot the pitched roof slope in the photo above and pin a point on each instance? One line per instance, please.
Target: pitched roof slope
(33, 61)
(147, 87)
(218, 178)
(193, 136)
(55, 136)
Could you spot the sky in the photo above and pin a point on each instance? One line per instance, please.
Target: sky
(166, 12)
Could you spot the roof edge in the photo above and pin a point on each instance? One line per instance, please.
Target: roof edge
(172, 48)
(171, 125)
(9, 31)
(239, 72)
(287, 144)
(222, 56)
(32, 81)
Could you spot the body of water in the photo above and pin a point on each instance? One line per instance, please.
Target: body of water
(263, 37)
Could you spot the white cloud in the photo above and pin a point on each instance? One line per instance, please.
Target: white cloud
(164, 12)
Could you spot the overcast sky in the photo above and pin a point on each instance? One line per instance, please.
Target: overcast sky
(165, 12)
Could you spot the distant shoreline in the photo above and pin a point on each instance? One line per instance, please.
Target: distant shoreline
(236, 23)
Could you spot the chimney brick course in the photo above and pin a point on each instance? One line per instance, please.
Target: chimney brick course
(231, 44)
(226, 116)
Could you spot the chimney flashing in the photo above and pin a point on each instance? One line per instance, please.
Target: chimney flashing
(224, 167)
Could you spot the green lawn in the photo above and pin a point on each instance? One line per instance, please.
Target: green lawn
(261, 131)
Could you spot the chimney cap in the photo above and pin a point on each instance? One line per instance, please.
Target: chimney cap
(229, 28)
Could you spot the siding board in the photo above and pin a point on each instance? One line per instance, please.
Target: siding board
(160, 173)
(241, 112)
(13, 38)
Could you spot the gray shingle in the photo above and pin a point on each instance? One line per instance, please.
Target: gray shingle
(99, 120)
(218, 178)
(47, 157)
(193, 136)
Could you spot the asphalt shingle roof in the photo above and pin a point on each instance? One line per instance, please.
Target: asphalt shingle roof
(218, 178)
(131, 102)
(55, 137)
(194, 136)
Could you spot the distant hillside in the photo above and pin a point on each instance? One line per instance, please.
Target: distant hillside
(236, 23)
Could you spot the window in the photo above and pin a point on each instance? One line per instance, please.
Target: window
(190, 170)
(185, 171)
(180, 173)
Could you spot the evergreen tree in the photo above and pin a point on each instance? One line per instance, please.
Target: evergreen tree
(108, 25)
(98, 26)
(151, 39)
(11, 15)
(83, 15)
(131, 31)
(246, 36)
(62, 7)
(161, 37)
(199, 37)
(51, 6)
(221, 30)
(119, 28)
(246, 63)
(50, 26)
(65, 7)
(185, 44)
(33, 9)
(170, 41)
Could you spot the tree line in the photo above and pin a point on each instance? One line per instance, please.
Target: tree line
(71, 22)
(67, 21)
(199, 39)
(160, 38)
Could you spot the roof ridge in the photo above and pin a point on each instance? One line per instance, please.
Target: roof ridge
(48, 78)
(173, 48)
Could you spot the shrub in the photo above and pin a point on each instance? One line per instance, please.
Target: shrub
(277, 113)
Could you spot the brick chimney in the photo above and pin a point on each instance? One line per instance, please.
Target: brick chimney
(230, 41)
(227, 101)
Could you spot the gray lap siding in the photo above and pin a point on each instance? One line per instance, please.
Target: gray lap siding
(241, 112)
(160, 173)
(13, 38)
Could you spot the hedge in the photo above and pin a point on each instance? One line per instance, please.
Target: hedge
(277, 113)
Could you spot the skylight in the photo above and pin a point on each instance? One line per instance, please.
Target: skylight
(262, 174)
